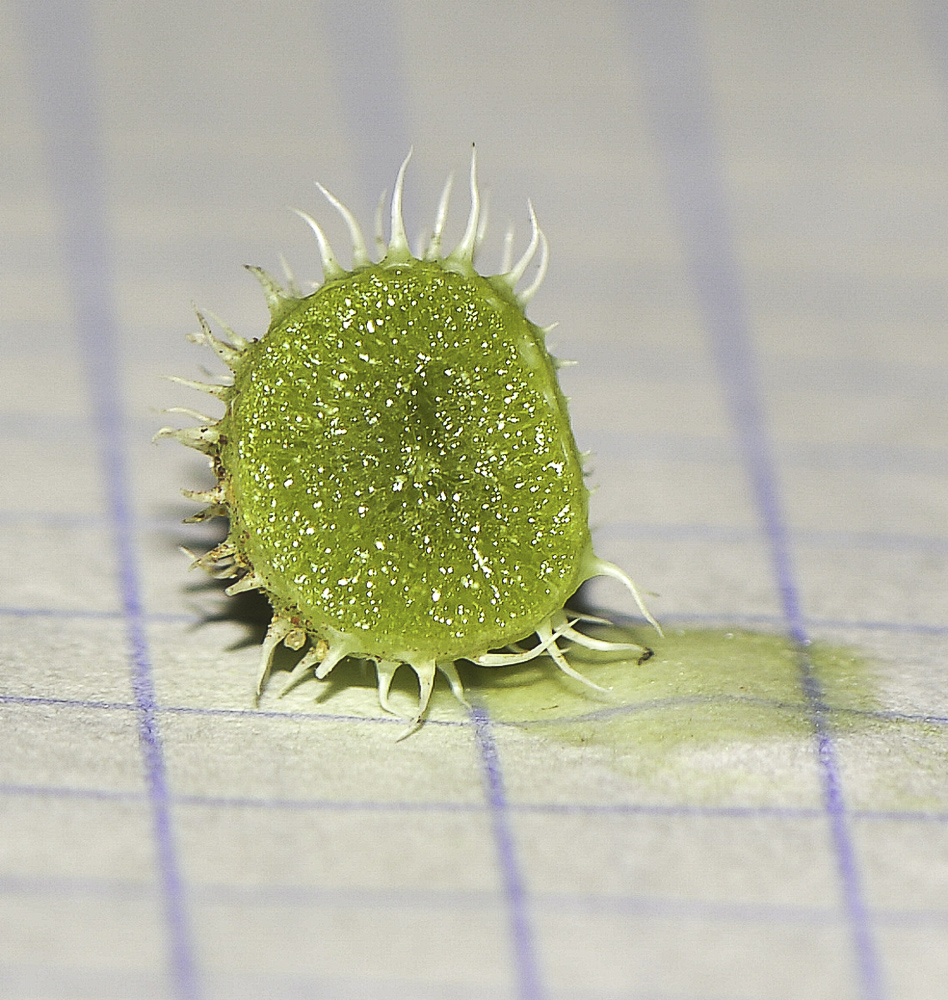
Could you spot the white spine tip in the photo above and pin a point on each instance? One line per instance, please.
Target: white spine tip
(360, 253)
(248, 582)
(513, 274)
(527, 294)
(188, 412)
(202, 439)
(277, 299)
(380, 244)
(278, 630)
(482, 222)
(434, 244)
(331, 266)
(398, 240)
(603, 568)
(548, 638)
(449, 670)
(215, 510)
(411, 729)
(292, 285)
(240, 343)
(385, 671)
(215, 495)
(506, 257)
(305, 665)
(218, 391)
(463, 253)
(426, 678)
(228, 354)
(333, 656)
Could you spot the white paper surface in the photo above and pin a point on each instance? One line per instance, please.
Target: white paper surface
(747, 206)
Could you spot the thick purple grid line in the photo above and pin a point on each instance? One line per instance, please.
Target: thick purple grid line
(528, 972)
(60, 46)
(680, 104)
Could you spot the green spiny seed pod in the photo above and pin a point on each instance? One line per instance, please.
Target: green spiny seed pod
(397, 464)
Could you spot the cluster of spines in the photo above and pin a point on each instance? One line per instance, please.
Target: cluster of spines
(226, 561)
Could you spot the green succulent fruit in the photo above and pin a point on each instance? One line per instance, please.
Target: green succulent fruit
(397, 464)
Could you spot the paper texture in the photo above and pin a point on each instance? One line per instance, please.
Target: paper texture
(747, 206)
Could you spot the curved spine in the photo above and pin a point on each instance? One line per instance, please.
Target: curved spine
(512, 275)
(218, 391)
(278, 302)
(527, 294)
(398, 250)
(225, 561)
(434, 244)
(331, 267)
(360, 253)
(463, 253)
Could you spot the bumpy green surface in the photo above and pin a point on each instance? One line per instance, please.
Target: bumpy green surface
(400, 467)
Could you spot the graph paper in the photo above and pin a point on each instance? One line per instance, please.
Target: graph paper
(747, 205)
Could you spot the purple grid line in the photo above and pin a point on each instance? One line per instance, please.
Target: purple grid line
(547, 808)
(140, 616)
(528, 972)
(672, 59)
(653, 704)
(317, 896)
(161, 616)
(59, 41)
